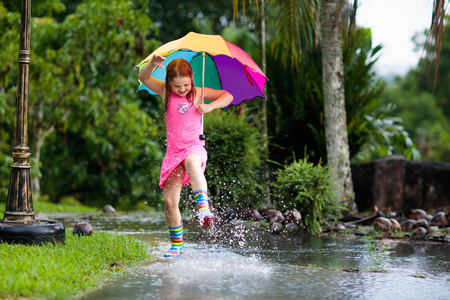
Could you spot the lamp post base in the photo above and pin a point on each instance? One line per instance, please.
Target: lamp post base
(37, 232)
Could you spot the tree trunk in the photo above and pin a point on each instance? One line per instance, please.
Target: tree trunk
(334, 103)
(265, 135)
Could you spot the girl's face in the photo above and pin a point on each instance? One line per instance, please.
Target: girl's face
(181, 85)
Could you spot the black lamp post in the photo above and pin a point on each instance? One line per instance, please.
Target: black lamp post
(19, 224)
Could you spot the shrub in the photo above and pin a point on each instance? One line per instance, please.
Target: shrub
(307, 188)
(234, 155)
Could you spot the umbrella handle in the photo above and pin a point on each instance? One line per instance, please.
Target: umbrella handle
(202, 136)
(203, 79)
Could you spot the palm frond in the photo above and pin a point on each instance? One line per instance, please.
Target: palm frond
(235, 4)
(294, 28)
(434, 39)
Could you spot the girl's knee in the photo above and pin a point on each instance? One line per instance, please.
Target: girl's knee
(170, 204)
(193, 161)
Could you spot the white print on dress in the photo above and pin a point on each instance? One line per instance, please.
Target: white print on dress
(183, 108)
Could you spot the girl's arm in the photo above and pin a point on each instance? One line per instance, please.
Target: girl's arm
(219, 99)
(152, 83)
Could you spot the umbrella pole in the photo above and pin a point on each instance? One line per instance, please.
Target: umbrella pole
(202, 136)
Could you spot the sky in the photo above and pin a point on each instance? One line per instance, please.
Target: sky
(393, 24)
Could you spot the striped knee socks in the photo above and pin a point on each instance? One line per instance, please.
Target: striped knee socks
(176, 236)
(206, 217)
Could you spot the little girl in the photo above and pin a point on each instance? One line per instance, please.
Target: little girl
(186, 156)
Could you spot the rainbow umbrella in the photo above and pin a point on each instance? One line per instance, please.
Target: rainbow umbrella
(216, 63)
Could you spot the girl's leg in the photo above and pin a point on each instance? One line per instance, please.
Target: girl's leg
(193, 166)
(172, 189)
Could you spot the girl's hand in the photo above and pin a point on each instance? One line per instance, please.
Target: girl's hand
(204, 108)
(157, 61)
(152, 83)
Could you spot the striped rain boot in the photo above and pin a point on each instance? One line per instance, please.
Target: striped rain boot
(176, 236)
(206, 217)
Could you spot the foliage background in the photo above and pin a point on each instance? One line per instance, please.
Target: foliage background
(96, 140)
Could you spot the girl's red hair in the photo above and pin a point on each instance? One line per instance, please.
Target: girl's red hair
(179, 68)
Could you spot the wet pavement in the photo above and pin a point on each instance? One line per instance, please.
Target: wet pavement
(240, 261)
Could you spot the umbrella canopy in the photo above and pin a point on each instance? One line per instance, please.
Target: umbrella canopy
(227, 67)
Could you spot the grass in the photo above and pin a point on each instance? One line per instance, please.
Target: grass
(66, 271)
(377, 257)
(49, 207)
(418, 275)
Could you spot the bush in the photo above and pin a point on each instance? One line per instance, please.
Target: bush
(5, 174)
(234, 155)
(115, 162)
(307, 188)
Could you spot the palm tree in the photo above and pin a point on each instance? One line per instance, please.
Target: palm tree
(338, 154)
(293, 28)
(294, 31)
(434, 39)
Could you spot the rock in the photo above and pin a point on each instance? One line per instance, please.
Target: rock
(439, 219)
(397, 183)
(229, 215)
(380, 183)
(395, 225)
(276, 227)
(108, 209)
(423, 223)
(291, 228)
(293, 216)
(338, 228)
(447, 230)
(267, 213)
(83, 228)
(433, 229)
(419, 233)
(409, 225)
(277, 218)
(116, 264)
(392, 215)
(270, 213)
(250, 214)
(429, 218)
(417, 214)
(382, 224)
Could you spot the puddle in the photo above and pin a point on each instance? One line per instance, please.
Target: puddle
(239, 262)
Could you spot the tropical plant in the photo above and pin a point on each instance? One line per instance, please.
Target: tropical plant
(386, 136)
(307, 188)
(234, 157)
(176, 18)
(421, 97)
(296, 118)
(421, 115)
(82, 99)
(301, 30)
(9, 43)
(293, 29)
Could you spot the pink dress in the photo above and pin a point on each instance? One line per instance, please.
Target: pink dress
(183, 127)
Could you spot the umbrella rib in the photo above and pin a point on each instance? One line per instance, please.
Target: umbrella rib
(248, 76)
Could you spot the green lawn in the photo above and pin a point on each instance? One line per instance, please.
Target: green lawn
(65, 271)
(49, 207)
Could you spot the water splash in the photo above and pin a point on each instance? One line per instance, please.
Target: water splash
(208, 270)
(215, 266)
